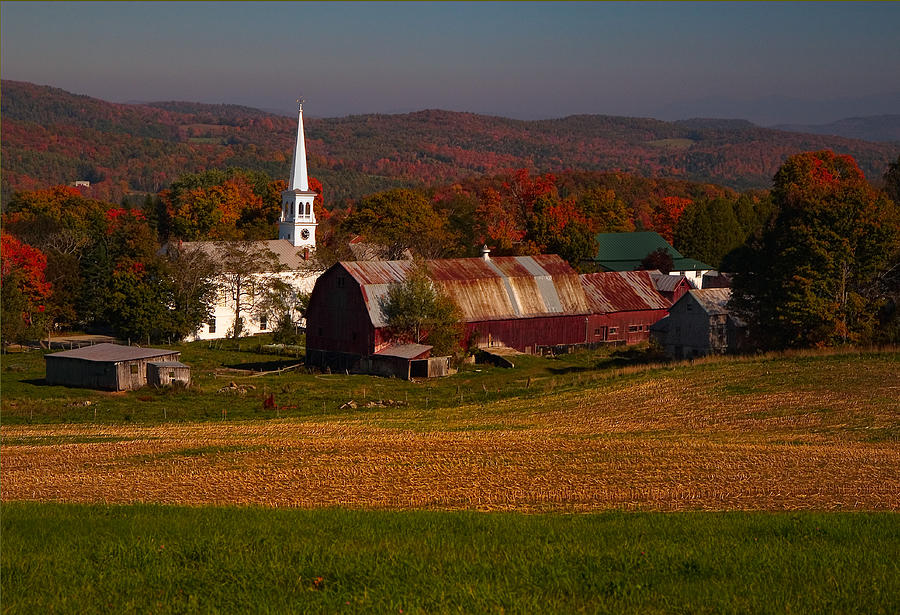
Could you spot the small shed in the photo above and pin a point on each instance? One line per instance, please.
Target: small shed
(167, 373)
(396, 361)
(105, 366)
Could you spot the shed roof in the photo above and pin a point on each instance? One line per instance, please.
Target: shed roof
(113, 353)
(622, 291)
(404, 351)
(500, 288)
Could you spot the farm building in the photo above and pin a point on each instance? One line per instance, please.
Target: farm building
(167, 373)
(672, 287)
(625, 251)
(624, 305)
(406, 361)
(700, 324)
(109, 366)
(529, 303)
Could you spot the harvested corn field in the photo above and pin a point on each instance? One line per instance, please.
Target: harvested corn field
(731, 436)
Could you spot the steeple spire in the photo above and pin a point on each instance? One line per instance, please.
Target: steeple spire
(298, 215)
(299, 179)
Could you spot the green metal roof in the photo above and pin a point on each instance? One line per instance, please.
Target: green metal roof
(625, 251)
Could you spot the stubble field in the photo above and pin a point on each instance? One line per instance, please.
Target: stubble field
(802, 433)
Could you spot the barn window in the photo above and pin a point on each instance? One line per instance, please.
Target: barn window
(633, 328)
(613, 330)
(212, 325)
(340, 281)
(263, 322)
(134, 369)
(596, 331)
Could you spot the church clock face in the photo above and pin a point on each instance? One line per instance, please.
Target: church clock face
(304, 234)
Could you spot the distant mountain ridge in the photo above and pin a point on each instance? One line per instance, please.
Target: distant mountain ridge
(51, 136)
(878, 128)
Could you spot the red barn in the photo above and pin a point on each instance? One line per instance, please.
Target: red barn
(526, 302)
(624, 304)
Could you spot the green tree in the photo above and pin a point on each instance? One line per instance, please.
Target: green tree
(399, 220)
(418, 310)
(708, 230)
(816, 274)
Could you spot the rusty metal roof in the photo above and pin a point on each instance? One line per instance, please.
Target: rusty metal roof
(667, 282)
(499, 288)
(112, 353)
(622, 291)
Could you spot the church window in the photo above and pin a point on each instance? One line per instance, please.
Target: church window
(212, 325)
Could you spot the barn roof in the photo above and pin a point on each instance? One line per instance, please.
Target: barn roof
(499, 288)
(622, 291)
(712, 300)
(667, 283)
(112, 353)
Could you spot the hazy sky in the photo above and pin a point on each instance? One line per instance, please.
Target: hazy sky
(769, 62)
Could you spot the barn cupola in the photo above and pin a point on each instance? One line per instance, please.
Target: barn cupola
(298, 220)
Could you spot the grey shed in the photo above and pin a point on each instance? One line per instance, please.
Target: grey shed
(105, 366)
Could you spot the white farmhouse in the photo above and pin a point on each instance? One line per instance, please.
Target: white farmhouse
(294, 249)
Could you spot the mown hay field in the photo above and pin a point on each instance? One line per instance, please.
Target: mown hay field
(791, 433)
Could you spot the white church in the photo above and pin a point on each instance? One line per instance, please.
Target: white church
(295, 248)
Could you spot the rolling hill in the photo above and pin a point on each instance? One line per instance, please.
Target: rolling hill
(50, 136)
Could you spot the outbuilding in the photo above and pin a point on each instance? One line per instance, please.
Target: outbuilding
(107, 366)
(700, 324)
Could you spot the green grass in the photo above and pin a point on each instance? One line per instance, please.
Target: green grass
(141, 559)
(305, 394)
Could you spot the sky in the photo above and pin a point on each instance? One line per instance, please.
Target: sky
(772, 63)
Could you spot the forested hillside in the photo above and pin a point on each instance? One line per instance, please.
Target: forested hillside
(50, 136)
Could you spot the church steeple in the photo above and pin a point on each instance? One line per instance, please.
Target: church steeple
(299, 179)
(298, 220)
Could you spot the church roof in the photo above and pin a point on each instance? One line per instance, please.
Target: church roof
(289, 256)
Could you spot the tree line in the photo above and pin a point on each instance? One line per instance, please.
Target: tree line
(71, 262)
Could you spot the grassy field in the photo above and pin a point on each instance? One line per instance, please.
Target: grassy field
(807, 432)
(394, 497)
(141, 559)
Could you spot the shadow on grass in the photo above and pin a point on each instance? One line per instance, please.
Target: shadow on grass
(265, 366)
(38, 382)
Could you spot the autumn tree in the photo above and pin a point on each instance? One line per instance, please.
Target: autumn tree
(816, 274)
(25, 290)
(605, 211)
(230, 204)
(417, 310)
(660, 259)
